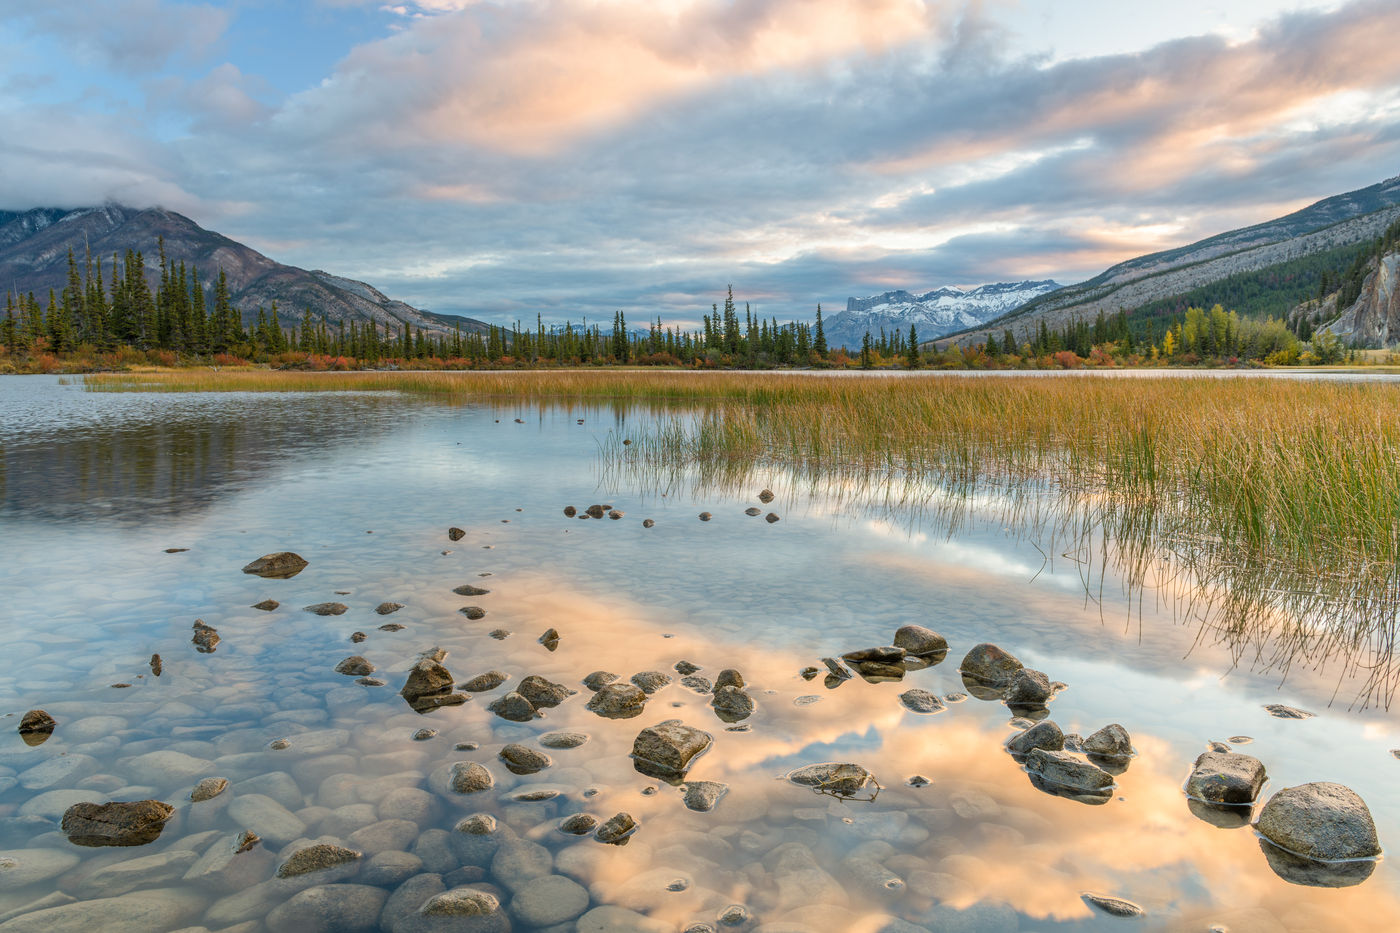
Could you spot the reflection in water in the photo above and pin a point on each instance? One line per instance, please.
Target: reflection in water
(1270, 615)
(139, 457)
(959, 836)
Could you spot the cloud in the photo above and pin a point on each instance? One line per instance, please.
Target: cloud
(130, 36)
(527, 76)
(569, 157)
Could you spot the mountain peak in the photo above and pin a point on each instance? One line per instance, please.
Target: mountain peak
(941, 311)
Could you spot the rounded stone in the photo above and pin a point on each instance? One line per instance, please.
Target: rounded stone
(1321, 820)
(542, 902)
(329, 908)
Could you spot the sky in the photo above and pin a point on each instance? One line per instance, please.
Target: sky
(571, 158)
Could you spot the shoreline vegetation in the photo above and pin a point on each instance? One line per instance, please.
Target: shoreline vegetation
(1278, 499)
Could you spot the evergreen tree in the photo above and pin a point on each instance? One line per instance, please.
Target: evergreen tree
(819, 342)
(913, 347)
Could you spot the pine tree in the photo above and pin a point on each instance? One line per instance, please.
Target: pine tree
(819, 342)
(865, 359)
(913, 347)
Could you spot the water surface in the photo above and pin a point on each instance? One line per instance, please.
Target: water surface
(97, 487)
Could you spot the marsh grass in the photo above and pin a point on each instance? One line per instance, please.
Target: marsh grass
(1278, 499)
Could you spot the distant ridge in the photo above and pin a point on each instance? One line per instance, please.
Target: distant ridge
(34, 247)
(934, 313)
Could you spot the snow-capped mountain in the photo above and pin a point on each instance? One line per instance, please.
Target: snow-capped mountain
(941, 311)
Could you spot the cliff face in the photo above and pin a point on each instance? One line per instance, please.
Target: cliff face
(1374, 319)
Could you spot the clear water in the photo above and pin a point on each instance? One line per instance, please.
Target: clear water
(96, 487)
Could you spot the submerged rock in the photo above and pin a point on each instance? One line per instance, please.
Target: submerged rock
(387, 608)
(844, 779)
(473, 612)
(282, 565)
(729, 677)
(837, 669)
(208, 789)
(267, 605)
(990, 665)
(357, 637)
(467, 589)
(327, 609)
(771, 517)
(205, 638)
(648, 523)
(667, 749)
(455, 534)
(1029, 689)
(753, 512)
(570, 511)
(316, 858)
(618, 701)
(1066, 770)
(732, 704)
(427, 678)
(514, 707)
(578, 824)
(563, 739)
(766, 496)
(887, 654)
(1113, 906)
(521, 759)
(550, 638)
(599, 679)
(120, 823)
(685, 667)
(1279, 711)
(921, 701)
(391, 627)
(697, 683)
(1321, 820)
(1226, 778)
(596, 511)
(617, 829)
(36, 722)
(468, 777)
(483, 682)
(705, 516)
(1112, 741)
(1046, 735)
(651, 681)
(355, 666)
(919, 641)
(543, 693)
(702, 796)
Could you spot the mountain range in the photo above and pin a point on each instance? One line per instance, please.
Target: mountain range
(1203, 272)
(34, 246)
(934, 313)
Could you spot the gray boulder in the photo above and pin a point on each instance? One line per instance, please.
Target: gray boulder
(317, 858)
(990, 665)
(920, 642)
(1046, 735)
(667, 749)
(483, 682)
(1030, 689)
(280, 566)
(468, 777)
(1066, 770)
(843, 779)
(119, 823)
(329, 908)
(1112, 741)
(1321, 820)
(618, 701)
(514, 707)
(522, 759)
(543, 693)
(922, 701)
(1226, 778)
(617, 829)
(427, 678)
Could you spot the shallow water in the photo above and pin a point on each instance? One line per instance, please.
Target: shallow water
(96, 487)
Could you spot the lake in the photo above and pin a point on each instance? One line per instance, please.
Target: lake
(127, 517)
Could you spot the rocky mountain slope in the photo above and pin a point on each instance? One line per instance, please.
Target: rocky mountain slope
(941, 311)
(34, 247)
(1372, 320)
(1342, 220)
